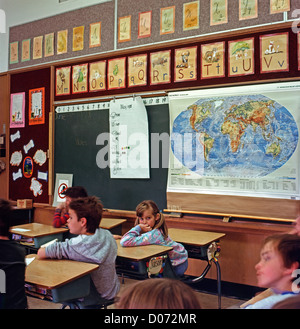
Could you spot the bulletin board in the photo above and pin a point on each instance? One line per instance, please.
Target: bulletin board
(28, 145)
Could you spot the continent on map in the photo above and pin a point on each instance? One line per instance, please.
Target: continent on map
(207, 143)
(254, 113)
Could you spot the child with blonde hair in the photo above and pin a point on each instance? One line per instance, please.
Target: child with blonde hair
(151, 228)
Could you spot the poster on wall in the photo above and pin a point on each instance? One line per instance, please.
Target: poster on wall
(62, 85)
(160, 67)
(213, 60)
(78, 38)
(98, 76)
(236, 141)
(167, 20)
(185, 64)
(116, 73)
(95, 35)
(218, 12)
(191, 15)
(129, 138)
(124, 29)
(37, 106)
(62, 183)
(25, 50)
(241, 57)
(17, 110)
(145, 26)
(274, 52)
(79, 78)
(137, 70)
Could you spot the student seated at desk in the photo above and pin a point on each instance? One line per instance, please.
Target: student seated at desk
(12, 265)
(280, 257)
(92, 245)
(61, 214)
(151, 228)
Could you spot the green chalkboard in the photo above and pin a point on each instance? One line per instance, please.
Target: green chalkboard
(76, 151)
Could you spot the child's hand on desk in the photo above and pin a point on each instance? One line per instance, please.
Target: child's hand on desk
(41, 253)
(145, 228)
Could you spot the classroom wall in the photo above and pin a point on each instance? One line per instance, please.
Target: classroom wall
(4, 100)
(31, 10)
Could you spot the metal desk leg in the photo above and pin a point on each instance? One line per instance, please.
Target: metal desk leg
(218, 281)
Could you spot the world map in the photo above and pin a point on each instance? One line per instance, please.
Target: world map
(234, 136)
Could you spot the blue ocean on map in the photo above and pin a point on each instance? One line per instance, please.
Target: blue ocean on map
(234, 136)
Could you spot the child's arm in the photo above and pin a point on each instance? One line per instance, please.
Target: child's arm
(60, 218)
(135, 238)
(42, 253)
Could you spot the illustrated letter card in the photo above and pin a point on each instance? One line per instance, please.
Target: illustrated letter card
(185, 64)
(79, 78)
(63, 81)
(137, 70)
(191, 15)
(98, 76)
(241, 57)
(160, 70)
(116, 73)
(37, 106)
(212, 60)
(274, 54)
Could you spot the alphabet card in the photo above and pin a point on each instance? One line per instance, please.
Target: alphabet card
(79, 78)
(298, 37)
(137, 70)
(185, 64)
(62, 85)
(160, 69)
(212, 60)
(279, 6)
(98, 76)
(274, 53)
(116, 73)
(241, 57)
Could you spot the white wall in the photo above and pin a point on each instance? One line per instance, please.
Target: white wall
(23, 11)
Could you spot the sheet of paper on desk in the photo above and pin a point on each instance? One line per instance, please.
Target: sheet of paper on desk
(48, 243)
(29, 260)
(20, 230)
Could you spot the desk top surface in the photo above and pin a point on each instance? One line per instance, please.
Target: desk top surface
(197, 238)
(52, 273)
(109, 223)
(33, 230)
(141, 252)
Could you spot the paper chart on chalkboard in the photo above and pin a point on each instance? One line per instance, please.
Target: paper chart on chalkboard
(129, 141)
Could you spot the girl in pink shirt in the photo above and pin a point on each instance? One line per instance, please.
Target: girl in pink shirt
(151, 228)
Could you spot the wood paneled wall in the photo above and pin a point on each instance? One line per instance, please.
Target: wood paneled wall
(4, 125)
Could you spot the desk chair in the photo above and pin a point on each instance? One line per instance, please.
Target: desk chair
(91, 301)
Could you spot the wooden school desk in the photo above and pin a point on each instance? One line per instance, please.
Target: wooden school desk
(40, 233)
(201, 245)
(58, 280)
(132, 261)
(114, 225)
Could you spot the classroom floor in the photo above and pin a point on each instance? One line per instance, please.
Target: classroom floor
(209, 301)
